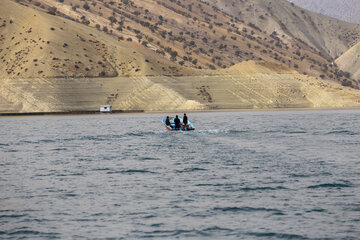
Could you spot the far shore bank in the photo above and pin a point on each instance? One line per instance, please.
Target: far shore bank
(174, 111)
(255, 110)
(85, 112)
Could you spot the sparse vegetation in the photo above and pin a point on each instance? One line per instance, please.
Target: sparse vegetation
(52, 10)
(86, 6)
(207, 32)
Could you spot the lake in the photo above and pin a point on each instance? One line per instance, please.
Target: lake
(239, 175)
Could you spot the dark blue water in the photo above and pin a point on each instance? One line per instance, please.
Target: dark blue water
(264, 175)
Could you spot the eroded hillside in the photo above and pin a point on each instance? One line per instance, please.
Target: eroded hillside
(35, 44)
(213, 34)
(247, 85)
(49, 63)
(346, 10)
(350, 61)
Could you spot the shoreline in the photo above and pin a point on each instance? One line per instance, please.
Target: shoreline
(257, 110)
(85, 112)
(176, 111)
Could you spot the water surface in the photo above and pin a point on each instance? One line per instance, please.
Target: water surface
(255, 175)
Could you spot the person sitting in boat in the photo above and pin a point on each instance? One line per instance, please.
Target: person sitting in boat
(177, 122)
(167, 122)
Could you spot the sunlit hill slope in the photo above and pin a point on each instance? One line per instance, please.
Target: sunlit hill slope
(346, 10)
(213, 34)
(52, 63)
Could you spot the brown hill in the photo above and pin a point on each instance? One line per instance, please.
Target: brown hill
(213, 34)
(246, 85)
(49, 63)
(327, 35)
(350, 61)
(35, 44)
(346, 10)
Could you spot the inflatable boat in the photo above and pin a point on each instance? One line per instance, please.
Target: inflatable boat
(188, 127)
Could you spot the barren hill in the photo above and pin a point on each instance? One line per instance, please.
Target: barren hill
(346, 10)
(213, 34)
(327, 35)
(46, 60)
(35, 44)
(350, 61)
(49, 63)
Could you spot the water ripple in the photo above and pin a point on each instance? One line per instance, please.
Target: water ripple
(272, 235)
(248, 209)
(263, 188)
(130, 171)
(193, 169)
(331, 185)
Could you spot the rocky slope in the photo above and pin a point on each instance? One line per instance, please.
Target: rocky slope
(327, 35)
(346, 10)
(213, 34)
(36, 44)
(350, 61)
(48, 63)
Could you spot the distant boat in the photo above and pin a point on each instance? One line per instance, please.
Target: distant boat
(105, 108)
(187, 127)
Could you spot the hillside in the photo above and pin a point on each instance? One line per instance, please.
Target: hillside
(329, 36)
(35, 44)
(350, 61)
(214, 34)
(49, 63)
(46, 60)
(346, 10)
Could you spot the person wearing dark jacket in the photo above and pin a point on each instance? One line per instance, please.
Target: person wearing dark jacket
(177, 122)
(167, 122)
(185, 120)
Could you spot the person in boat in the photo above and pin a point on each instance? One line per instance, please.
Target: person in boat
(185, 122)
(177, 122)
(167, 121)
